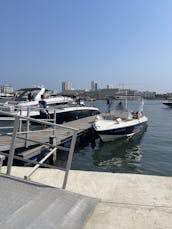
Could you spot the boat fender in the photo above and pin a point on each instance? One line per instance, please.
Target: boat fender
(98, 117)
(118, 120)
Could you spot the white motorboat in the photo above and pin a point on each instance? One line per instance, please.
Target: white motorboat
(27, 97)
(119, 124)
(66, 109)
(168, 102)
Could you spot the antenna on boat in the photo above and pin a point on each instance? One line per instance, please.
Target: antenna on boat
(109, 104)
(141, 105)
(126, 102)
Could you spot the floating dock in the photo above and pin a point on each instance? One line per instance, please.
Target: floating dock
(43, 136)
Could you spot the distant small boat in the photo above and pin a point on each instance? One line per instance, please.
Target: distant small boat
(119, 124)
(6, 95)
(90, 99)
(168, 102)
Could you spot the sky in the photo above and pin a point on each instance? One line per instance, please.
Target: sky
(118, 42)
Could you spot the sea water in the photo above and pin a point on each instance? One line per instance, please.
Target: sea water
(149, 153)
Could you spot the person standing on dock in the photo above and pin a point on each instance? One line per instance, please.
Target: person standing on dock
(43, 110)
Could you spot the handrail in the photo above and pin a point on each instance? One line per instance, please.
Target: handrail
(33, 162)
(15, 135)
(38, 121)
(6, 127)
(27, 176)
(12, 147)
(69, 161)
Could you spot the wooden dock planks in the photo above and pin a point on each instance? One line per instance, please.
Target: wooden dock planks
(43, 136)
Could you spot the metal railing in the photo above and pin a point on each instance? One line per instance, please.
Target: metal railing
(17, 133)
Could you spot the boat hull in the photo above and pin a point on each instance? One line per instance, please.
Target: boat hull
(169, 104)
(71, 115)
(121, 130)
(63, 115)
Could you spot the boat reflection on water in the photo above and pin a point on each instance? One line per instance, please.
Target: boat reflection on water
(123, 155)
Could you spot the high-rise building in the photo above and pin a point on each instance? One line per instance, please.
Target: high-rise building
(109, 86)
(94, 86)
(63, 86)
(66, 85)
(7, 88)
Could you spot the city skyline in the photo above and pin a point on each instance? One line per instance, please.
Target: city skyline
(113, 43)
(67, 86)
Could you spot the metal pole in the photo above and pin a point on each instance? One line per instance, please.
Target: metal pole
(27, 176)
(126, 100)
(54, 122)
(20, 124)
(70, 156)
(27, 127)
(12, 147)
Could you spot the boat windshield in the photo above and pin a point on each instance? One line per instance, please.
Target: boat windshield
(120, 107)
(120, 111)
(27, 94)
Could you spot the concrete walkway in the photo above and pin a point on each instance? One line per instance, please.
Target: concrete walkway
(128, 201)
(25, 204)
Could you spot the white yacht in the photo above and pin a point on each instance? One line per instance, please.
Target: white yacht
(66, 109)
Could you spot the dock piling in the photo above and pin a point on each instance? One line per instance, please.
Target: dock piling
(2, 158)
(52, 141)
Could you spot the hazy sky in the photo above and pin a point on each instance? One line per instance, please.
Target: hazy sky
(110, 41)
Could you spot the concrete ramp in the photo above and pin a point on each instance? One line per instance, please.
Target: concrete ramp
(28, 205)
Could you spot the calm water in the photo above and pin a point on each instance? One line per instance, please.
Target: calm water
(150, 153)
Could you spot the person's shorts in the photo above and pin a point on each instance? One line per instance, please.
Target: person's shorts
(43, 115)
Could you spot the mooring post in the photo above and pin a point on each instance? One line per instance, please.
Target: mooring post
(52, 141)
(2, 158)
